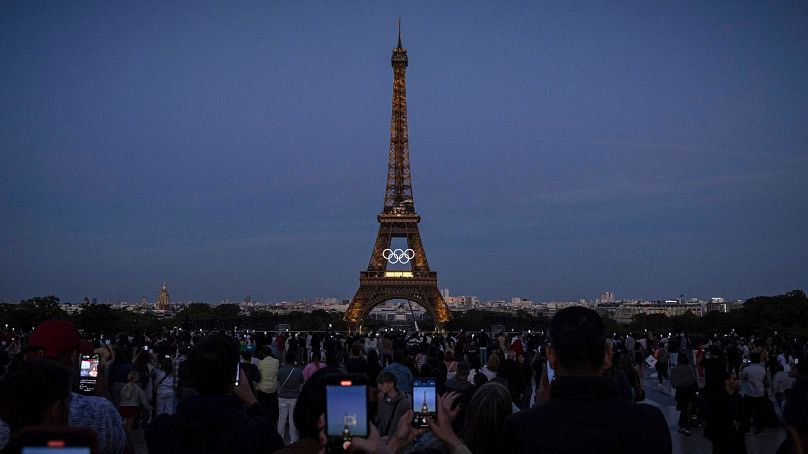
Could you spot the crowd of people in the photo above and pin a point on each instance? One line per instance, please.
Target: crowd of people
(573, 389)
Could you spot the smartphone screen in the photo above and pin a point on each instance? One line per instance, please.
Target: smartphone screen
(57, 440)
(424, 401)
(88, 373)
(55, 450)
(550, 373)
(346, 411)
(238, 372)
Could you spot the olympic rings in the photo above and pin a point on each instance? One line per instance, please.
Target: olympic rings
(398, 255)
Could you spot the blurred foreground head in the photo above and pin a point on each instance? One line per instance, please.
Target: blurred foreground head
(577, 342)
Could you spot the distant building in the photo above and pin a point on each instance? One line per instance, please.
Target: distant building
(625, 312)
(517, 301)
(163, 300)
(606, 298)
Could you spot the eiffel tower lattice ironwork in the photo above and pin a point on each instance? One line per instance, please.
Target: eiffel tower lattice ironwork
(398, 220)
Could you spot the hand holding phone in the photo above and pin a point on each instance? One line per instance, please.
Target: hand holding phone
(88, 373)
(346, 411)
(424, 401)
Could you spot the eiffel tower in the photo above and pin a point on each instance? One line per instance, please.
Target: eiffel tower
(398, 220)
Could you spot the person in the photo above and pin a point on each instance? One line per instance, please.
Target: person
(683, 379)
(250, 370)
(311, 405)
(630, 370)
(224, 417)
(451, 364)
(356, 364)
(290, 377)
(491, 368)
(795, 419)
(753, 389)
(132, 399)
(392, 404)
(781, 383)
(662, 364)
(724, 428)
(487, 412)
(583, 401)
(163, 387)
(33, 393)
(267, 389)
(402, 373)
(313, 366)
(59, 341)
(460, 384)
(374, 367)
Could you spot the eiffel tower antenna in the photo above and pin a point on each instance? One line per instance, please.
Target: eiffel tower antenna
(399, 32)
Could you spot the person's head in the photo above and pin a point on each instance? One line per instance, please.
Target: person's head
(356, 350)
(485, 416)
(795, 416)
(133, 377)
(264, 351)
(480, 379)
(373, 357)
(577, 344)
(167, 365)
(448, 356)
(59, 341)
(521, 358)
(754, 357)
(246, 356)
(212, 364)
(315, 356)
(387, 382)
(311, 403)
(463, 370)
(35, 392)
(493, 362)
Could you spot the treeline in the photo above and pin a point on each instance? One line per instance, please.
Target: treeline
(762, 316)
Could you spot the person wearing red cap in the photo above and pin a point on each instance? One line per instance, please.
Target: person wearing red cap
(59, 340)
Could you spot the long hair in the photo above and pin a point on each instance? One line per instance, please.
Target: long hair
(485, 416)
(493, 362)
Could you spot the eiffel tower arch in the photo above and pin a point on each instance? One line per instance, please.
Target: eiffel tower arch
(398, 219)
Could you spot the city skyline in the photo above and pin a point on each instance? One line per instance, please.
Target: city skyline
(557, 151)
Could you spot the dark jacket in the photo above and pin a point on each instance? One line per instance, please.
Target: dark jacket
(723, 424)
(586, 414)
(213, 424)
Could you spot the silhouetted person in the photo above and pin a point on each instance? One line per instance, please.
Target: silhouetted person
(585, 411)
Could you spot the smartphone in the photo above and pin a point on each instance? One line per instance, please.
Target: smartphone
(346, 411)
(424, 401)
(106, 341)
(88, 373)
(145, 348)
(550, 373)
(58, 440)
(238, 372)
(796, 360)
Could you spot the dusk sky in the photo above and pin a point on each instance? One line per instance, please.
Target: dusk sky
(558, 149)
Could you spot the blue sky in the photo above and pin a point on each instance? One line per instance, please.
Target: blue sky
(558, 149)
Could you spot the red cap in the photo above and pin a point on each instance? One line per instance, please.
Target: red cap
(58, 336)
